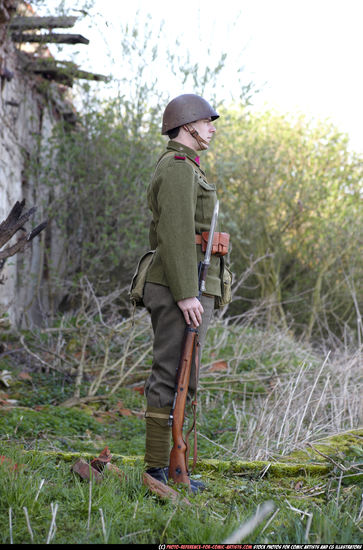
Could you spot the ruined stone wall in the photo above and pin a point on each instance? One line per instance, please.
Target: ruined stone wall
(26, 116)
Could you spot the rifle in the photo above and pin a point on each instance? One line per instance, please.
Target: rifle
(178, 463)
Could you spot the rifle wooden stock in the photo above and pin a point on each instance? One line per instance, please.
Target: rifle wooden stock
(178, 468)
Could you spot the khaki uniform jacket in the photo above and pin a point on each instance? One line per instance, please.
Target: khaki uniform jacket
(182, 202)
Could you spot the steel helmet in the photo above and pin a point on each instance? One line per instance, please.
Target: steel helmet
(184, 109)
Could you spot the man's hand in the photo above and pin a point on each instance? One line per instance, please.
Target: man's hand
(192, 310)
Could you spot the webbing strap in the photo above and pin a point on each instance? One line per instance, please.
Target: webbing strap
(156, 415)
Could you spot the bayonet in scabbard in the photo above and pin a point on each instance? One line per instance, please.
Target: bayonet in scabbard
(213, 224)
(205, 263)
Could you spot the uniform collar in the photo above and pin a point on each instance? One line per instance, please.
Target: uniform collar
(183, 149)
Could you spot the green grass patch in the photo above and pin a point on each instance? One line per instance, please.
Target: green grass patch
(134, 515)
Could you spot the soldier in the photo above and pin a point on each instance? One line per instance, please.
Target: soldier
(181, 201)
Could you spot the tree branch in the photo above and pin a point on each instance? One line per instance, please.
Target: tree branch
(13, 223)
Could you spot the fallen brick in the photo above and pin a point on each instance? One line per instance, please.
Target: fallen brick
(101, 460)
(86, 471)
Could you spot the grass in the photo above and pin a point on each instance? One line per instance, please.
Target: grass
(131, 514)
(277, 422)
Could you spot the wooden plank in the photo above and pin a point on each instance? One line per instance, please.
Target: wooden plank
(34, 22)
(163, 491)
(56, 38)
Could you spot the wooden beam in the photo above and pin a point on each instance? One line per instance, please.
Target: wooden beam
(60, 71)
(52, 73)
(28, 23)
(56, 38)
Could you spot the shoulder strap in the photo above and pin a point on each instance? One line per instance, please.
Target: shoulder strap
(172, 153)
(165, 154)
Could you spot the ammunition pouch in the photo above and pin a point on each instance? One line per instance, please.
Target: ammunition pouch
(220, 242)
(136, 291)
(226, 286)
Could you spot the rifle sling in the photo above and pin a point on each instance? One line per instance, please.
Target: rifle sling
(194, 406)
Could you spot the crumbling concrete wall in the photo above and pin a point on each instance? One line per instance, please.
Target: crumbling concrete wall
(27, 118)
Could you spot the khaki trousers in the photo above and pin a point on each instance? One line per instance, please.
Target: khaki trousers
(169, 326)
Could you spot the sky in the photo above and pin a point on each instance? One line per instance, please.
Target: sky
(303, 55)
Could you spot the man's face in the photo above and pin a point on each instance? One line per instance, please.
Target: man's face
(205, 129)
